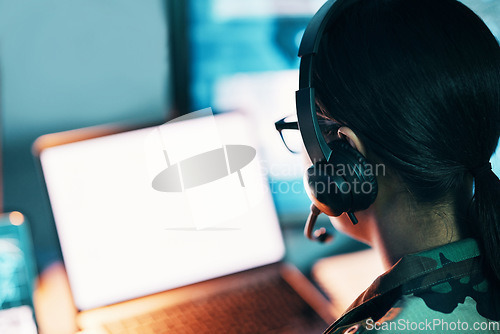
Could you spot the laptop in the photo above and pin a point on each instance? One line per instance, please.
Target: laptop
(17, 275)
(169, 220)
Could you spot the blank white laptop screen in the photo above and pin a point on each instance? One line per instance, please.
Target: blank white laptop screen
(123, 239)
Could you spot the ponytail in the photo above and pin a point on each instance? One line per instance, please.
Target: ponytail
(486, 206)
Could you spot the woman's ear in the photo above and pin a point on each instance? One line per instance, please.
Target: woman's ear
(347, 134)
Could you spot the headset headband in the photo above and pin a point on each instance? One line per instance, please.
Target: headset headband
(332, 202)
(314, 142)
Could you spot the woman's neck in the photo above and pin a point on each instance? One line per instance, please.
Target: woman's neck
(402, 227)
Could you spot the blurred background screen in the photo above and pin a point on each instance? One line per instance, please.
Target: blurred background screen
(254, 68)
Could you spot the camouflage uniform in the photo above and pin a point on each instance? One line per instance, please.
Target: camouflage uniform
(442, 290)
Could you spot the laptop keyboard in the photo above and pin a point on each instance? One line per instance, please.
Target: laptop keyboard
(265, 307)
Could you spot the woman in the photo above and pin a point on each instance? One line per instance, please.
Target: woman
(415, 85)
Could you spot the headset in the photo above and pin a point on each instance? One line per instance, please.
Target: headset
(340, 179)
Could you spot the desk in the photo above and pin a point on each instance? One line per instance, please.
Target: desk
(54, 308)
(344, 277)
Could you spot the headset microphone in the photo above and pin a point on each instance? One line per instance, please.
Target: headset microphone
(321, 234)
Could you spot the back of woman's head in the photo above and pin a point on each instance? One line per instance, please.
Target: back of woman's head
(419, 82)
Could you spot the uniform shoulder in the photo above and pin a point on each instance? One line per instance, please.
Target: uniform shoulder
(411, 314)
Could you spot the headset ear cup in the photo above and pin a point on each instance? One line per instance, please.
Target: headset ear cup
(327, 190)
(359, 173)
(346, 183)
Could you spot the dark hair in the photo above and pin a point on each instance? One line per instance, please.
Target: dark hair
(419, 82)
